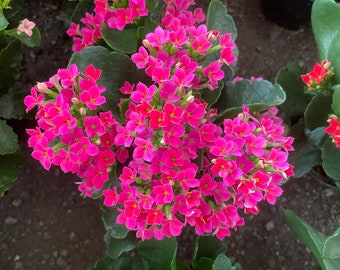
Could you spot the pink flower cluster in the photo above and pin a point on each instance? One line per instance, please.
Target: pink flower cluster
(70, 134)
(174, 165)
(114, 14)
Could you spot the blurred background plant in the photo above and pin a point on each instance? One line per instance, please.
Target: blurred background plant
(313, 97)
(326, 249)
(15, 33)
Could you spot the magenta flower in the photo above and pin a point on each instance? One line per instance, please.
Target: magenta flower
(33, 100)
(44, 154)
(141, 58)
(93, 126)
(158, 38)
(92, 98)
(163, 194)
(144, 150)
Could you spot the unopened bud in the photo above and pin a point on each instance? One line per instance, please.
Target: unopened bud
(97, 142)
(82, 111)
(41, 87)
(75, 100)
(147, 44)
(190, 98)
(212, 35)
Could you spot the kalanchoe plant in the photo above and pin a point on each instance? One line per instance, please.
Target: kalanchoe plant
(161, 130)
(13, 35)
(312, 107)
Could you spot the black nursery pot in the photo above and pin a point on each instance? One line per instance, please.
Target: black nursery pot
(290, 14)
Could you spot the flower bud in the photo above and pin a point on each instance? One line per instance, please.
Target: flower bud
(42, 87)
(75, 100)
(82, 111)
(212, 35)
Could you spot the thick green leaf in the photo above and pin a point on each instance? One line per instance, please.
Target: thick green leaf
(204, 263)
(116, 246)
(219, 19)
(326, 28)
(109, 215)
(331, 251)
(222, 262)
(313, 239)
(148, 27)
(10, 166)
(207, 246)
(81, 8)
(116, 68)
(121, 263)
(318, 110)
(11, 105)
(159, 254)
(121, 41)
(290, 80)
(336, 100)
(30, 41)
(105, 263)
(8, 139)
(316, 137)
(180, 265)
(257, 95)
(330, 156)
(3, 21)
(211, 97)
(10, 59)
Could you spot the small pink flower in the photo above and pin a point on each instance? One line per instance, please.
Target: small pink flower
(26, 27)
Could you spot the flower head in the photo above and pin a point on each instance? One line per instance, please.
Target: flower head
(26, 26)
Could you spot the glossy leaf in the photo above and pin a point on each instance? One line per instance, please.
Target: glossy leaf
(148, 27)
(10, 59)
(116, 246)
(116, 68)
(331, 251)
(318, 110)
(313, 239)
(222, 262)
(109, 216)
(326, 28)
(10, 166)
(8, 139)
(30, 41)
(3, 21)
(81, 8)
(204, 263)
(159, 254)
(296, 99)
(258, 95)
(330, 156)
(121, 41)
(336, 100)
(207, 246)
(211, 97)
(180, 265)
(219, 19)
(121, 263)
